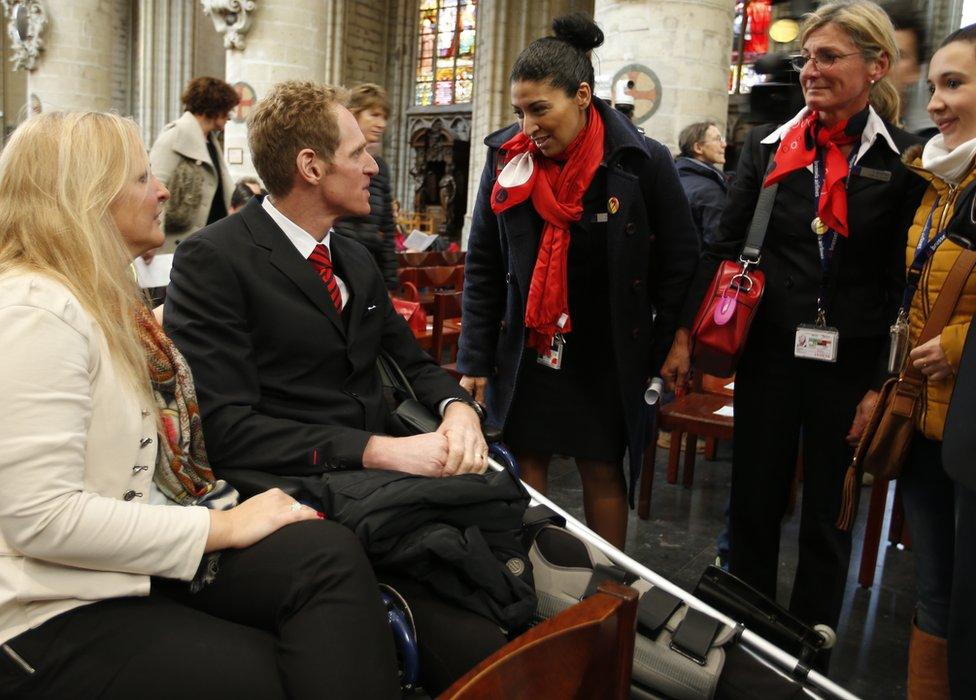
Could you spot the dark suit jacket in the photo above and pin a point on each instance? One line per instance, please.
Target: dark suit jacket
(284, 383)
(868, 269)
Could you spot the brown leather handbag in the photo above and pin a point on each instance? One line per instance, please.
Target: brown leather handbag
(887, 437)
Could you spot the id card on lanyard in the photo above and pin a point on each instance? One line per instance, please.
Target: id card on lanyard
(924, 249)
(818, 341)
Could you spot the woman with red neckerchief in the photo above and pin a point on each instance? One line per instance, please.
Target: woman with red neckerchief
(833, 261)
(580, 234)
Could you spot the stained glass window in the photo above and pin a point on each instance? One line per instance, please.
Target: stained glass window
(445, 52)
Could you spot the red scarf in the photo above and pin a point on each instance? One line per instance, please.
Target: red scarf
(799, 147)
(557, 194)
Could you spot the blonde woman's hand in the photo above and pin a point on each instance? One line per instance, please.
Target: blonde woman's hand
(475, 386)
(929, 359)
(254, 519)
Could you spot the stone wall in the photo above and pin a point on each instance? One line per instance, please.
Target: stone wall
(122, 51)
(367, 30)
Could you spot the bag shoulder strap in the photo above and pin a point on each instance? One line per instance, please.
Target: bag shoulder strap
(760, 217)
(946, 302)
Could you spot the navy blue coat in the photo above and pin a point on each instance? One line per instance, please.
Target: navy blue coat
(705, 188)
(652, 253)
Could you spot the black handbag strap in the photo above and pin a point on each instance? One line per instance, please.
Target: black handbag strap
(760, 218)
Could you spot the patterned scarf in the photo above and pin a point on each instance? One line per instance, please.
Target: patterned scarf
(557, 195)
(801, 145)
(182, 471)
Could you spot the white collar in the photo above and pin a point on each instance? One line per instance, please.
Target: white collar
(874, 127)
(299, 237)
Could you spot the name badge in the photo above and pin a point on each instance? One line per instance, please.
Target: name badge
(816, 343)
(600, 218)
(875, 174)
(553, 358)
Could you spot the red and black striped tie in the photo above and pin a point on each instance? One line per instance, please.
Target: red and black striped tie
(323, 265)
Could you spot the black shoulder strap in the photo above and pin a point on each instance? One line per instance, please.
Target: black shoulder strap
(760, 218)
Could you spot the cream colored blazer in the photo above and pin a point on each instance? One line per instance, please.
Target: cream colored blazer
(77, 454)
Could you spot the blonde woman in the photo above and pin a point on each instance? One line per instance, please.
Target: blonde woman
(832, 258)
(126, 569)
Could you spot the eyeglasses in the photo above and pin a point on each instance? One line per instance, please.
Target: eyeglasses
(821, 59)
(717, 139)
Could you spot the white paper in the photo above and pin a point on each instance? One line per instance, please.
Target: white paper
(419, 241)
(725, 411)
(730, 386)
(156, 273)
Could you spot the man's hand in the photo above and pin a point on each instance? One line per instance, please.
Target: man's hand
(861, 417)
(476, 387)
(675, 370)
(467, 451)
(423, 455)
(929, 359)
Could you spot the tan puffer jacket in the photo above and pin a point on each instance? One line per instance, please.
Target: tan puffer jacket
(935, 400)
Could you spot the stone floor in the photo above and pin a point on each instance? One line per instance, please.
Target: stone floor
(678, 541)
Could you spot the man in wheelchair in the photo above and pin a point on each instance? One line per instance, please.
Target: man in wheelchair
(282, 324)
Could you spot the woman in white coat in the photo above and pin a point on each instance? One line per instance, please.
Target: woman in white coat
(126, 569)
(187, 159)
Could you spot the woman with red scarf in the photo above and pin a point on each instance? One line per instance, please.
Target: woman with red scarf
(833, 261)
(580, 236)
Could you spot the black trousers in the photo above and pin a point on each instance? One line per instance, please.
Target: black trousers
(778, 399)
(297, 615)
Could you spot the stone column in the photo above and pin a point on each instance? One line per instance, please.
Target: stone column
(505, 27)
(685, 44)
(74, 70)
(164, 63)
(288, 40)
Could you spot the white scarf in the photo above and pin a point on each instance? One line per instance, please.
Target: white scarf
(950, 166)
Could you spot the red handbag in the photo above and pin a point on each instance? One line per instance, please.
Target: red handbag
(722, 323)
(411, 310)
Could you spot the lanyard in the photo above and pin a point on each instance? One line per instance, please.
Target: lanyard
(826, 243)
(923, 252)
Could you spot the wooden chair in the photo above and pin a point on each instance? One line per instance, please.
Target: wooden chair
(897, 532)
(430, 279)
(431, 258)
(446, 326)
(586, 651)
(691, 415)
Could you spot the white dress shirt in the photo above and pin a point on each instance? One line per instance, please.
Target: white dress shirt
(303, 241)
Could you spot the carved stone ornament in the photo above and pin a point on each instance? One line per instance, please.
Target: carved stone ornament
(25, 26)
(232, 18)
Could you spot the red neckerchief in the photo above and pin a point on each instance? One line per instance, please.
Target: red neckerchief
(799, 147)
(556, 189)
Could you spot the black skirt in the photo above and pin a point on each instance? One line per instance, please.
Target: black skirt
(577, 410)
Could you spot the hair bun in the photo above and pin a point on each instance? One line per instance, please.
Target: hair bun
(578, 30)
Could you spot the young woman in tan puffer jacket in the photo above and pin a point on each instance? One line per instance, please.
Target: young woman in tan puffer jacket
(939, 653)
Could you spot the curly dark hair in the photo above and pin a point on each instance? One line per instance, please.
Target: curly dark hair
(209, 97)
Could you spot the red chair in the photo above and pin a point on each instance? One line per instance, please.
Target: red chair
(584, 652)
(446, 326)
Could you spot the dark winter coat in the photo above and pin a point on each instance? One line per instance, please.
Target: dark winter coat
(705, 188)
(652, 252)
(376, 229)
(461, 535)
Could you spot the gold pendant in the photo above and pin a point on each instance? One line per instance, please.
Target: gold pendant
(818, 226)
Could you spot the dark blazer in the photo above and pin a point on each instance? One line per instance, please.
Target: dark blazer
(376, 229)
(868, 268)
(705, 188)
(652, 252)
(285, 383)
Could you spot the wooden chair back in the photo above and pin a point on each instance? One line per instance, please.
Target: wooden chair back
(430, 258)
(447, 309)
(450, 277)
(586, 651)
